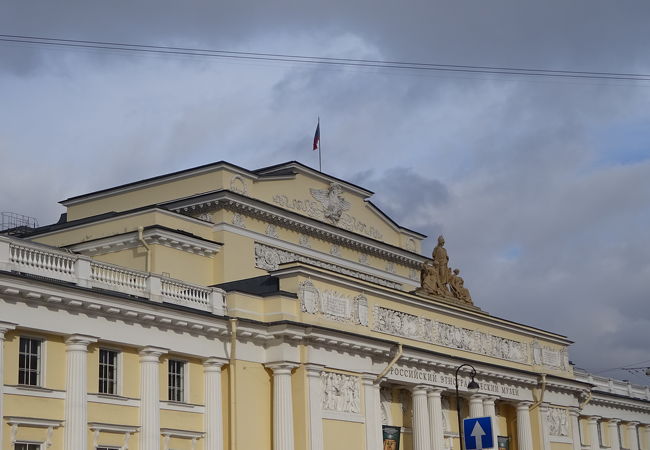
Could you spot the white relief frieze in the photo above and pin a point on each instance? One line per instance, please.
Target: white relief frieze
(335, 250)
(363, 258)
(303, 241)
(269, 258)
(549, 357)
(238, 220)
(328, 205)
(418, 328)
(271, 231)
(557, 421)
(333, 305)
(238, 185)
(340, 393)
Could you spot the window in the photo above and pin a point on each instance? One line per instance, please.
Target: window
(108, 371)
(26, 446)
(29, 363)
(107, 448)
(176, 377)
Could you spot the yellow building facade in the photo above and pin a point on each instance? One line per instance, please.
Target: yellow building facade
(220, 308)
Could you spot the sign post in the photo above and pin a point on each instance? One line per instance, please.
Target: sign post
(478, 433)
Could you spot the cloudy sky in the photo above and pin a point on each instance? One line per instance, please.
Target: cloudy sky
(541, 186)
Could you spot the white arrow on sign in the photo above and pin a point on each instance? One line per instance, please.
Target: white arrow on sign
(478, 433)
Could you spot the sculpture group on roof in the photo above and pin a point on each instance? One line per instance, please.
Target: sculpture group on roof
(437, 278)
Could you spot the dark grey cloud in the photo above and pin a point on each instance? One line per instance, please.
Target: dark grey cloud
(540, 186)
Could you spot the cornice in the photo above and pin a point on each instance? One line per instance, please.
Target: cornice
(168, 238)
(272, 214)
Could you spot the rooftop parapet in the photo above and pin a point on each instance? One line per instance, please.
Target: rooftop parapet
(612, 386)
(18, 255)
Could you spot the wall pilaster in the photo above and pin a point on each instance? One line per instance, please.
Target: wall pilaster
(372, 406)
(150, 397)
(213, 418)
(315, 406)
(543, 427)
(4, 327)
(574, 415)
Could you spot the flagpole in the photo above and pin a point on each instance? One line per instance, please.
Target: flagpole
(320, 148)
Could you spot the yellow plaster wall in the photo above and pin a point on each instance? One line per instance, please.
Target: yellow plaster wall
(239, 252)
(181, 420)
(254, 406)
(27, 406)
(143, 196)
(115, 414)
(299, 394)
(535, 428)
(132, 258)
(561, 446)
(182, 265)
(339, 435)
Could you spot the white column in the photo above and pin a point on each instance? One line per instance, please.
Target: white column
(150, 397)
(543, 426)
(476, 405)
(633, 438)
(372, 406)
(436, 432)
(614, 443)
(594, 442)
(575, 428)
(314, 386)
(213, 417)
(524, 433)
(75, 436)
(4, 327)
(421, 436)
(282, 405)
(489, 409)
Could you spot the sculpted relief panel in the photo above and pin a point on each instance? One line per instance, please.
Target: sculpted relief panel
(551, 358)
(333, 305)
(269, 258)
(398, 323)
(340, 393)
(557, 421)
(330, 206)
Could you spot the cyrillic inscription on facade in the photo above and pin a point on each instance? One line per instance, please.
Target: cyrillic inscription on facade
(449, 380)
(418, 328)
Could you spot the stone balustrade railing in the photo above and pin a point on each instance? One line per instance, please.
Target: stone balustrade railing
(23, 256)
(614, 386)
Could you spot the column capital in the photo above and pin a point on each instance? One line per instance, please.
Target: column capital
(314, 370)
(574, 411)
(79, 342)
(213, 364)
(490, 398)
(151, 353)
(593, 419)
(419, 389)
(368, 379)
(613, 422)
(434, 391)
(632, 424)
(281, 367)
(523, 405)
(6, 326)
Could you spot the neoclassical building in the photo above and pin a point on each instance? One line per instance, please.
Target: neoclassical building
(220, 308)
